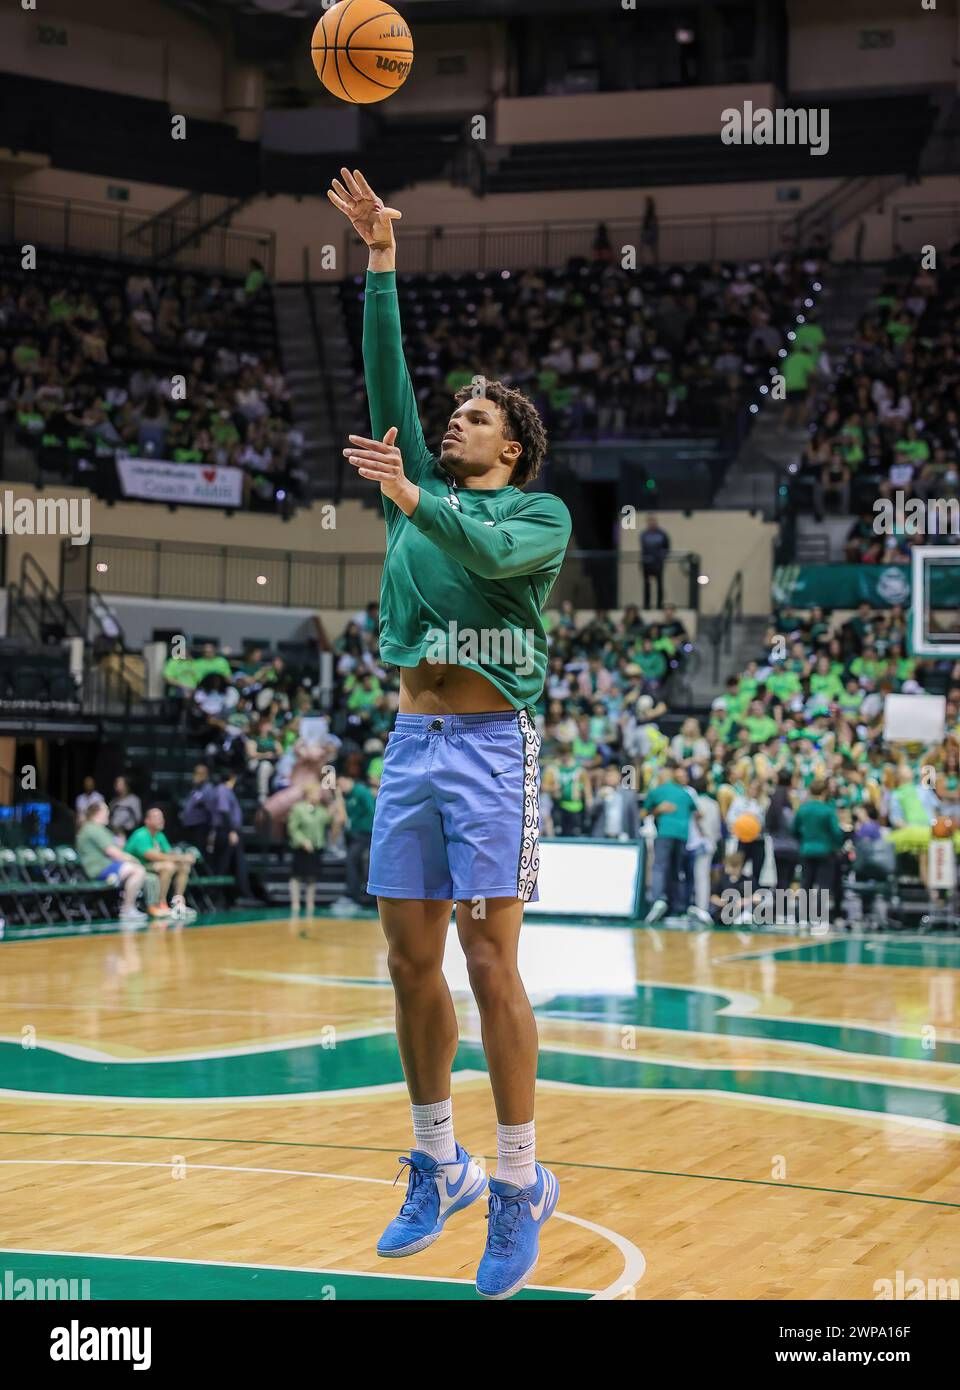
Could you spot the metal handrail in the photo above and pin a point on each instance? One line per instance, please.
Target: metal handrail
(730, 613)
(120, 223)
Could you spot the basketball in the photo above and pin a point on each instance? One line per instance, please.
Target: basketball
(943, 827)
(746, 828)
(362, 51)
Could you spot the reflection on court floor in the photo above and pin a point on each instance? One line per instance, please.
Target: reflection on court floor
(219, 1111)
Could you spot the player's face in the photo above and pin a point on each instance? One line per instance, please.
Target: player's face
(475, 439)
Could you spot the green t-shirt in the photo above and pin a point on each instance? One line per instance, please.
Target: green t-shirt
(571, 787)
(584, 749)
(817, 828)
(760, 727)
(308, 822)
(652, 664)
(810, 337)
(92, 843)
(797, 368)
(142, 841)
(829, 685)
(783, 684)
(467, 576)
(675, 824)
(360, 804)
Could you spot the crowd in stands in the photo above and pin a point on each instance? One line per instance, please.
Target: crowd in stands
(792, 779)
(888, 415)
(602, 351)
(87, 368)
(721, 802)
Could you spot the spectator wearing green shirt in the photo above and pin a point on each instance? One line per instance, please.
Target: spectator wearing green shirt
(760, 725)
(653, 666)
(151, 847)
(255, 280)
(675, 809)
(102, 859)
(818, 830)
(568, 786)
(798, 368)
(310, 821)
(359, 804)
(263, 750)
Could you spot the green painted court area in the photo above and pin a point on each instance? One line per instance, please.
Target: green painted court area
(145, 1279)
(913, 952)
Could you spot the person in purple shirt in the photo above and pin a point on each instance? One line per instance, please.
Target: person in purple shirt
(228, 855)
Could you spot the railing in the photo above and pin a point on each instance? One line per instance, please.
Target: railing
(842, 203)
(164, 233)
(725, 236)
(35, 606)
(171, 570)
(88, 228)
(115, 687)
(229, 574)
(730, 613)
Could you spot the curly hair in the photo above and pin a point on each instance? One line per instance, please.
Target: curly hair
(522, 422)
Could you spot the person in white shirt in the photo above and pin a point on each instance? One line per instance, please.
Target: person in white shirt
(88, 797)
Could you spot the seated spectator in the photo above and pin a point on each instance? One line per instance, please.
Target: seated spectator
(150, 845)
(102, 859)
(263, 751)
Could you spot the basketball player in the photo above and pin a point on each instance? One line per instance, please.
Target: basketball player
(470, 560)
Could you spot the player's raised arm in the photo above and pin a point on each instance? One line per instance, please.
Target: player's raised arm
(389, 388)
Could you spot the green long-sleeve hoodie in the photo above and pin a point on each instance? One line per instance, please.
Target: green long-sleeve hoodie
(465, 578)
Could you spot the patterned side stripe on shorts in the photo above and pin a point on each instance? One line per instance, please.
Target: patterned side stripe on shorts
(529, 864)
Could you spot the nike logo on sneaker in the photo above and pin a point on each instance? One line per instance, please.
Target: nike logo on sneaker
(536, 1208)
(458, 1185)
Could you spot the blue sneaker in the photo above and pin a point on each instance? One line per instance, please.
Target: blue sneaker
(434, 1192)
(513, 1233)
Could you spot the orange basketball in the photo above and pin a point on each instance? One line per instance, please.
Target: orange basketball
(362, 50)
(746, 828)
(943, 828)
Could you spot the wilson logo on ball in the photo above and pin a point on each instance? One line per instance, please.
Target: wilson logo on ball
(362, 51)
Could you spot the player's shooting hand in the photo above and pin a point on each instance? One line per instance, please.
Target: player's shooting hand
(382, 463)
(372, 222)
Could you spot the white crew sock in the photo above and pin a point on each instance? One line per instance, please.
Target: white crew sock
(516, 1154)
(433, 1130)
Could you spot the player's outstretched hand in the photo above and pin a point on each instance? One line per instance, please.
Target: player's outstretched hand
(381, 462)
(372, 221)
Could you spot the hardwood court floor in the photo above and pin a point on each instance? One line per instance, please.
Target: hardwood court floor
(217, 1112)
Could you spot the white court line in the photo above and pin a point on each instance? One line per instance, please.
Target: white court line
(634, 1263)
(80, 1052)
(95, 1005)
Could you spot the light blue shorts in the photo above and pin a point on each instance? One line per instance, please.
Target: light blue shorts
(458, 811)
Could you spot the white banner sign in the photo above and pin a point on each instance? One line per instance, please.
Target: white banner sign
(193, 484)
